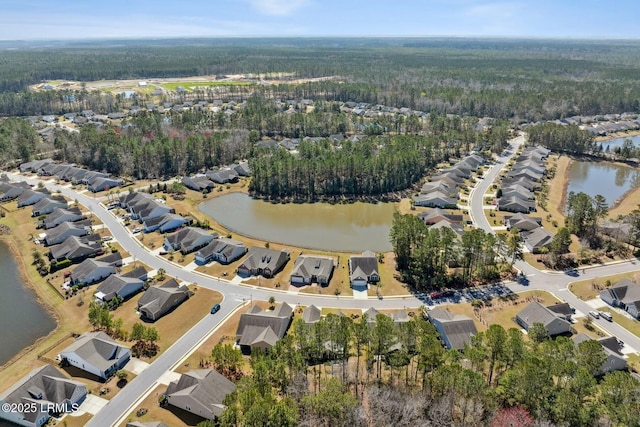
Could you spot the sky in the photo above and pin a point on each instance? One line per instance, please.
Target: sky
(75, 19)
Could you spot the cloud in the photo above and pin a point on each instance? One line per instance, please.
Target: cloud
(278, 7)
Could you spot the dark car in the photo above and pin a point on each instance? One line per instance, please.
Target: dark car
(215, 308)
(448, 294)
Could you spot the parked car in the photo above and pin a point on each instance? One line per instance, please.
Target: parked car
(606, 316)
(594, 314)
(435, 295)
(215, 308)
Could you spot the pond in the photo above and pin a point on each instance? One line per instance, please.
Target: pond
(607, 179)
(22, 318)
(354, 227)
(613, 143)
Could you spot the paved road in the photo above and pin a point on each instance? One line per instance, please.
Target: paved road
(554, 282)
(234, 295)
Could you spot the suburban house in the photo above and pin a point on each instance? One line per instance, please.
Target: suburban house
(91, 271)
(263, 261)
(615, 360)
(436, 215)
(455, 330)
(554, 323)
(143, 206)
(517, 191)
(400, 316)
(46, 205)
(624, 294)
(242, 169)
(537, 239)
(522, 182)
(310, 269)
(222, 250)
(159, 300)
(363, 269)
(118, 285)
(96, 353)
(436, 199)
(31, 197)
(457, 228)
(515, 204)
(259, 329)
(165, 223)
(60, 215)
(521, 222)
(223, 176)
(10, 191)
(188, 239)
(45, 384)
(442, 186)
(311, 315)
(65, 230)
(618, 230)
(198, 183)
(34, 165)
(76, 248)
(200, 392)
(103, 184)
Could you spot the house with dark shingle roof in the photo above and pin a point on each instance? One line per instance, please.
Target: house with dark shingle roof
(65, 230)
(45, 384)
(60, 215)
(261, 329)
(198, 183)
(515, 204)
(146, 424)
(615, 360)
(223, 176)
(436, 199)
(222, 250)
(159, 300)
(311, 315)
(433, 216)
(521, 222)
(10, 190)
(96, 353)
(118, 285)
(624, 294)
(31, 197)
(455, 330)
(200, 392)
(188, 239)
(537, 239)
(46, 205)
(554, 323)
(312, 269)
(165, 223)
(363, 269)
(91, 271)
(263, 262)
(103, 183)
(76, 248)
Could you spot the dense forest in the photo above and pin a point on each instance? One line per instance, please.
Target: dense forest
(564, 139)
(522, 80)
(373, 372)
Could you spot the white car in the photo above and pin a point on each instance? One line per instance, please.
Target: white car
(137, 230)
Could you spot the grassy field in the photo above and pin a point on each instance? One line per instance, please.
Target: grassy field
(589, 289)
(190, 85)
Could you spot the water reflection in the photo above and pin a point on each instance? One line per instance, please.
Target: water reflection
(604, 178)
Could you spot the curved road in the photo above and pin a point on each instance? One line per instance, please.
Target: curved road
(234, 296)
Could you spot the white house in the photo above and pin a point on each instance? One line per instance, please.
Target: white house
(96, 353)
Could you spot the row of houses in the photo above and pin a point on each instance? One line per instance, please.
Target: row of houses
(225, 175)
(95, 181)
(533, 235)
(442, 189)
(519, 183)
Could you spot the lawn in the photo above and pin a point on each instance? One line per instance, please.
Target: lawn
(590, 289)
(190, 85)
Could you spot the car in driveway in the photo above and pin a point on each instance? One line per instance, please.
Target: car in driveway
(215, 308)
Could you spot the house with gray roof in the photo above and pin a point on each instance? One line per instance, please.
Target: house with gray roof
(515, 204)
(76, 248)
(434, 216)
(150, 208)
(311, 315)
(146, 424)
(31, 197)
(188, 239)
(618, 230)
(263, 262)
(537, 239)
(118, 285)
(522, 181)
(363, 269)
(60, 215)
(165, 223)
(312, 269)
(133, 197)
(615, 360)
(517, 191)
(261, 329)
(222, 250)
(65, 230)
(91, 271)
(624, 294)
(223, 175)
(42, 386)
(436, 199)
(200, 392)
(103, 184)
(96, 353)
(10, 190)
(159, 300)
(198, 183)
(46, 205)
(455, 330)
(521, 222)
(34, 165)
(242, 169)
(457, 228)
(554, 323)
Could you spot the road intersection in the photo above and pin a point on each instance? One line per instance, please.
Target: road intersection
(235, 295)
